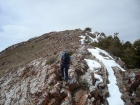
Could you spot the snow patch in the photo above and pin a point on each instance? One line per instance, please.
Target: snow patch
(93, 39)
(83, 38)
(94, 66)
(115, 95)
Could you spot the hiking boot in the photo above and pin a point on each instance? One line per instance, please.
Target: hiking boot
(66, 82)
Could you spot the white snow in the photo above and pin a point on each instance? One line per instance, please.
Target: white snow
(96, 37)
(93, 65)
(93, 39)
(83, 38)
(95, 52)
(115, 95)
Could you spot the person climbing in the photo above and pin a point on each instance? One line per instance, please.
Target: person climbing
(64, 65)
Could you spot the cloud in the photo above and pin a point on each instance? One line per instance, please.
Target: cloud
(24, 19)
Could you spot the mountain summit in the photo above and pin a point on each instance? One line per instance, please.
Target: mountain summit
(30, 73)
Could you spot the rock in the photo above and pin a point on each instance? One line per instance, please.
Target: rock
(132, 76)
(120, 62)
(105, 93)
(89, 102)
(128, 103)
(138, 101)
(137, 77)
(88, 78)
(73, 82)
(81, 68)
(89, 96)
(101, 86)
(52, 79)
(126, 98)
(134, 81)
(81, 97)
(79, 71)
(55, 92)
(92, 99)
(54, 102)
(58, 85)
(93, 91)
(38, 94)
(119, 76)
(46, 99)
(100, 73)
(134, 86)
(67, 100)
(63, 93)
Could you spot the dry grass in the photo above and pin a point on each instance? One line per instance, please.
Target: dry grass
(51, 60)
(43, 46)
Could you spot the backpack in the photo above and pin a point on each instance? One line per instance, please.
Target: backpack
(65, 58)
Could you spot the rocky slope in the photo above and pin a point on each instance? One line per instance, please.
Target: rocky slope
(30, 73)
(46, 45)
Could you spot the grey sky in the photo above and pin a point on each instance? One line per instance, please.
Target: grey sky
(24, 19)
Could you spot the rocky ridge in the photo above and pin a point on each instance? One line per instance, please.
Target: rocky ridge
(39, 83)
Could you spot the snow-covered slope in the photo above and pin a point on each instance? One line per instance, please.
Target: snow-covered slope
(114, 93)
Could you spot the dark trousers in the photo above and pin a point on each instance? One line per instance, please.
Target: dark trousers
(64, 71)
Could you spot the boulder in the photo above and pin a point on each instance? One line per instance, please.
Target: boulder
(92, 100)
(79, 70)
(128, 103)
(88, 78)
(138, 101)
(134, 86)
(137, 77)
(66, 102)
(101, 86)
(94, 91)
(89, 102)
(73, 82)
(69, 99)
(55, 92)
(105, 93)
(63, 93)
(52, 79)
(54, 102)
(120, 62)
(46, 99)
(81, 97)
(125, 97)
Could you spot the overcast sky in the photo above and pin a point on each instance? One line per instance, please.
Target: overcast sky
(24, 19)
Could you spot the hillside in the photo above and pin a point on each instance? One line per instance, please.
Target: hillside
(30, 73)
(44, 46)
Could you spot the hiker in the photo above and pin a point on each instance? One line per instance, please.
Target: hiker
(64, 65)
